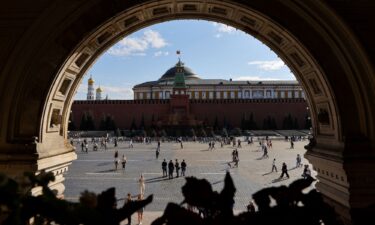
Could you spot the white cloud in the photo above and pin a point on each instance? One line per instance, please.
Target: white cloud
(117, 92)
(223, 29)
(154, 39)
(268, 65)
(218, 35)
(161, 53)
(113, 92)
(252, 78)
(138, 45)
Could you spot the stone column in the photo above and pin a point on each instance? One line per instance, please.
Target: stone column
(346, 178)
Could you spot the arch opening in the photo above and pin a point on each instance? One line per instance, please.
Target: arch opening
(75, 50)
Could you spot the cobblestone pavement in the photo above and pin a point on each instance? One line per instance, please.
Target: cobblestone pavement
(94, 171)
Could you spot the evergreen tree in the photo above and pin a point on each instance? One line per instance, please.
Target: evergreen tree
(216, 123)
(308, 124)
(83, 125)
(142, 124)
(225, 125)
(273, 124)
(295, 123)
(265, 124)
(252, 124)
(90, 122)
(133, 126)
(243, 122)
(102, 124)
(288, 122)
(153, 122)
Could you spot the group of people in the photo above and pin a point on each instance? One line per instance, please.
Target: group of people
(173, 167)
(284, 168)
(129, 199)
(117, 160)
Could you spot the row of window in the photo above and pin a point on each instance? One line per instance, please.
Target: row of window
(222, 94)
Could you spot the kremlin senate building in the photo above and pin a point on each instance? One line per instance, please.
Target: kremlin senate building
(181, 99)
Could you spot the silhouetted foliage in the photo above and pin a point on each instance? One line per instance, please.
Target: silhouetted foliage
(293, 207)
(17, 207)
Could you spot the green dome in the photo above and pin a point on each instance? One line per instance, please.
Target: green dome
(169, 75)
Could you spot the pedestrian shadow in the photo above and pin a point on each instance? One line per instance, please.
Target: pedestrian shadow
(260, 158)
(104, 163)
(217, 182)
(106, 171)
(279, 179)
(156, 179)
(267, 173)
(205, 150)
(294, 168)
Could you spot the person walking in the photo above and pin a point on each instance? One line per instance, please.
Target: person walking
(298, 161)
(116, 159)
(170, 169)
(274, 165)
(291, 143)
(157, 153)
(265, 152)
(164, 168)
(142, 185)
(183, 167)
(140, 211)
(177, 166)
(306, 172)
(284, 170)
(123, 162)
(131, 143)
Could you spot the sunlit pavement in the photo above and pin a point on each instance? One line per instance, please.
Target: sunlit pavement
(94, 171)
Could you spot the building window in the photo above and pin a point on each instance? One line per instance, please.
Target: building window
(189, 93)
(302, 94)
(225, 95)
(296, 94)
(232, 94)
(148, 95)
(203, 95)
(289, 94)
(196, 95)
(211, 95)
(247, 94)
(218, 94)
(282, 94)
(141, 95)
(176, 92)
(167, 95)
(269, 94)
(182, 92)
(258, 94)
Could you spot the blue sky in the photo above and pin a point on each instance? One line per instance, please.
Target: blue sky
(211, 50)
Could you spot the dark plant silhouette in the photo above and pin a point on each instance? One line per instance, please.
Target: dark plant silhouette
(292, 206)
(17, 206)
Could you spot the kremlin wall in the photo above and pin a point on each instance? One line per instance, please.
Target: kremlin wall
(180, 99)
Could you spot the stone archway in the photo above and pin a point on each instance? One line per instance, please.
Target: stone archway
(51, 56)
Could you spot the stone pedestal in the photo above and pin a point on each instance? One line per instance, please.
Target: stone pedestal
(15, 166)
